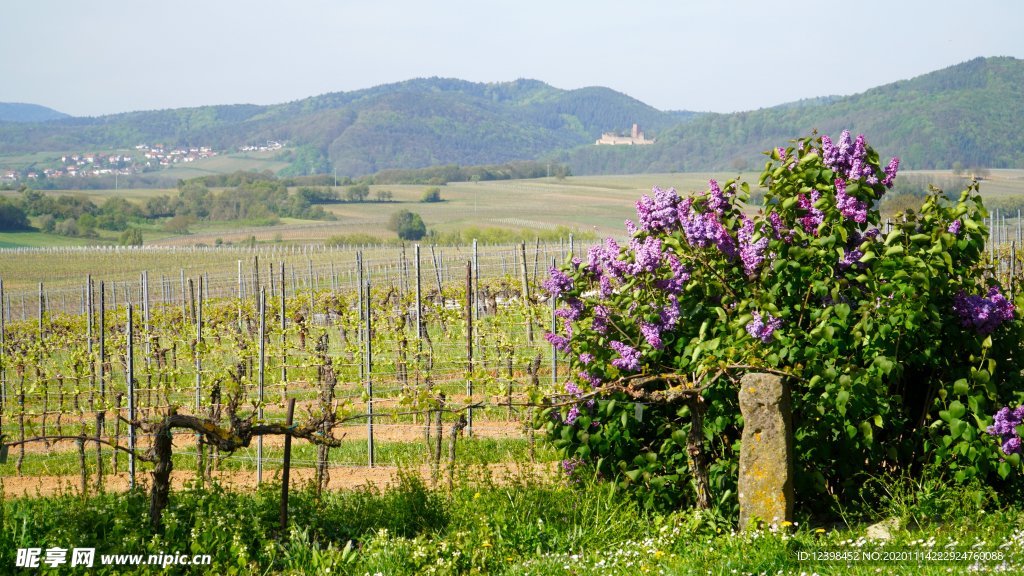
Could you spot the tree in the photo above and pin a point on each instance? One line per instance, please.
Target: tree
(408, 225)
(130, 237)
(384, 196)
(12, 217)
(357, 193)
(432, 194)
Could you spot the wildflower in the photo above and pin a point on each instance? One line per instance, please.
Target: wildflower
(954, 228)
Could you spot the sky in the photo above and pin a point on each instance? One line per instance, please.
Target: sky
(110, 56)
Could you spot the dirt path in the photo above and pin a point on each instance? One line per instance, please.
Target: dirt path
(341, 478)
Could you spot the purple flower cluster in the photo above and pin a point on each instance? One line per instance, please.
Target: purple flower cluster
(849, 206)
(680, 275)
(954, 227)
(652, 334)
(573, 311)
(1005, 426)
(849, 160)
(751, 251)
(658, 213)
(570, 465)
(705, 229)
(779, 229)
(814, 216)
(561, 343)
(601, 317)
(764, 327)
(669, 315)
(646, 255)
(557, 283)
(984, 314)
(629, 357)
(890, 172)
(586, 358)
(594, 381)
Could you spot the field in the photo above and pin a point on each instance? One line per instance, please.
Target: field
(429, 360)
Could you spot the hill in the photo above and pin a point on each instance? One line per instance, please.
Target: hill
(971, 113)
(410, 124)
(17, 112)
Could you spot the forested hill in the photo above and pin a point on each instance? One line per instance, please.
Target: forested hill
(971, 113)
(17, 112)
(410, 124)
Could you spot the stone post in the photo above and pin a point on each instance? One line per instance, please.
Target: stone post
(766, 455)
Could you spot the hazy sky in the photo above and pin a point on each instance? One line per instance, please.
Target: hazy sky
(108, 56)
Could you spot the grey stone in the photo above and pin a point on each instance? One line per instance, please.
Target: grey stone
(884, 529)
(766, 454)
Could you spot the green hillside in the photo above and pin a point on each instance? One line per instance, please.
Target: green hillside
(971, 113)
(410, 124)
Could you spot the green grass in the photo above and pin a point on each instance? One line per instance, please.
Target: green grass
(530, 524)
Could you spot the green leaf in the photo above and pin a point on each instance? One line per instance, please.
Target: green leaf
(841, 399)
(1004, 469)
(960, 386)
(957, 409)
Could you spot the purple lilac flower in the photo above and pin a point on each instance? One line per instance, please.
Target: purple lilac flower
(594, 381)
(658, 213)
(605, 287)
(646, 254)
(669, 315)
(561, 343)
(586, 358)
(954, 228)
(751, 252)
(570, 465)
(630, 228)
(984, 314)
(717, 198)
(850, 258)
(567, 326)
(1005, 425)
(601, 317)
(573, 414)
(573, 311)
(890, 172)
(779, 230)
(849, 159)
(814, 216)
(572, 388)
(557, 283)
(629, 357)
(762, 328)
(680, 275)
(652, 334)
(850, 207)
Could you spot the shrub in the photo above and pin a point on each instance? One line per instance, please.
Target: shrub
(861, 321)
(408, 225)
(432, 194)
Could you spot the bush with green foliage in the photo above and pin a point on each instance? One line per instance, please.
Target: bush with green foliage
(432, 194)
(898, 344)
(130, 237)
(408, 225)
(12, 217)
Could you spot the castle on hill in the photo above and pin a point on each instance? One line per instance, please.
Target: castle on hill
(636, 137)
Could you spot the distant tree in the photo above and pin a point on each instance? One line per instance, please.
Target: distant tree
(357, 193)
(958, 168)
(130, 237)
(12, 217)
(47, 223)
(178, 224)
(408, 225)
(384, 196)
(67, 227)
(432, 194)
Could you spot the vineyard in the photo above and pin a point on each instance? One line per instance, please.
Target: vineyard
(401, 347)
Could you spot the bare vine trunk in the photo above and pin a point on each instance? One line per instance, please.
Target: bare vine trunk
(695, 450)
